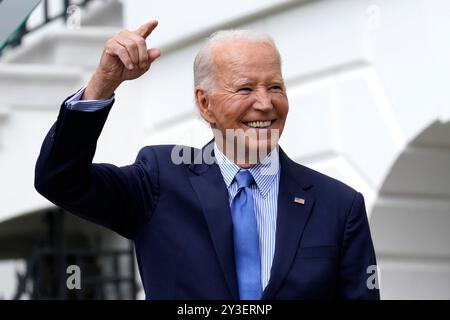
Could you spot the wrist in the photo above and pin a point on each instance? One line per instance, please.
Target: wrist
(99, 88)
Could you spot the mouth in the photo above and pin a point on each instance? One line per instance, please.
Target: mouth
(260, 124)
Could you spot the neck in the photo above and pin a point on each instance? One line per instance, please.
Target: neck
(243, 157)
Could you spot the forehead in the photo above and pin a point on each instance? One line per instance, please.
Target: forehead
(236, 60)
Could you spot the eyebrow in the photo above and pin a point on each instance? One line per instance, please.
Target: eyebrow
(241, 83)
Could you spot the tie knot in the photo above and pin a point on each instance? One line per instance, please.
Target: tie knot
(244, 179)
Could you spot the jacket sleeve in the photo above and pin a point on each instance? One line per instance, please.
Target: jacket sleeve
(358, 262)
(119, 198)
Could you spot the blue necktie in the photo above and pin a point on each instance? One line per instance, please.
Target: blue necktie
(246, 241)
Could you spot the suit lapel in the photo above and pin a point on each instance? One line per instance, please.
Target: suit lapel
(292, 217)
(291, 220)
(212, 193)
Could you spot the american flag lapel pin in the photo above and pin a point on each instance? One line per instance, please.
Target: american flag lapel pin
(299, 200)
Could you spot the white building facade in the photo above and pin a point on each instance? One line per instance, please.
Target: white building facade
(367, 85)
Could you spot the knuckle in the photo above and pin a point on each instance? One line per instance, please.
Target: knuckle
(109, 43)
(132, 45)
(109, 51)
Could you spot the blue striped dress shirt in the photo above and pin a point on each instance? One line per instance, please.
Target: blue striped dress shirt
(265, 200)
(74, 103)
(264, 190)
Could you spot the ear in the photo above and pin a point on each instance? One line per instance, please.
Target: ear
(203, 102)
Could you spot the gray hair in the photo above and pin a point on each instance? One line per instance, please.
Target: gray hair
(203, 63)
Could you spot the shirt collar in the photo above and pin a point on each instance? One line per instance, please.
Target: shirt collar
(264, 172)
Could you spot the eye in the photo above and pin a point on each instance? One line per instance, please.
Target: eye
(276, 88)
(244, 90)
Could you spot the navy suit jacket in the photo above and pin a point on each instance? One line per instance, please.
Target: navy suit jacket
(179, 218)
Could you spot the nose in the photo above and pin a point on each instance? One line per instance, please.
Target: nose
(263, 100)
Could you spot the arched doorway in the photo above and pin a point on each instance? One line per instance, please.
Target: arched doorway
(410, 221)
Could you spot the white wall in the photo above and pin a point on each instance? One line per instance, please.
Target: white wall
(364, 77)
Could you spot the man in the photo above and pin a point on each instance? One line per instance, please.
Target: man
(251, 224)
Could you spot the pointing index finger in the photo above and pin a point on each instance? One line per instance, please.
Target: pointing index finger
(147, 28)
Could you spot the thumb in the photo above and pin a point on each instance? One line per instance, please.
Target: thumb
(153, 54)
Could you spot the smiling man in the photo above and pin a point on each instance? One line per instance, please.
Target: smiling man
(241, 93)
(251, 224)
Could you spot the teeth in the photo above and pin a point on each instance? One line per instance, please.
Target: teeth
(258, 124)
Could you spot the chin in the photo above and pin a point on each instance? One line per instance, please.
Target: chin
(258, 150)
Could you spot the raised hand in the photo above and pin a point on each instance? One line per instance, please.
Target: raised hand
(125, 57)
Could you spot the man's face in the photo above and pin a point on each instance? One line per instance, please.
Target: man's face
(248, 94)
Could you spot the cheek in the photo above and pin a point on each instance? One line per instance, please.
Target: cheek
(286, 111)
(234, 110)
(282, 106)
